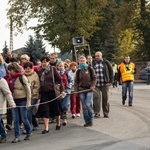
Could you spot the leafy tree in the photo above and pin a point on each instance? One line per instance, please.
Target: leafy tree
(59, 20)
(35, 48)
(106, 40)
(142, 26)
(115, 27)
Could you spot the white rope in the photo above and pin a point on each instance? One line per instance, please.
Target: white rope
(49, 100)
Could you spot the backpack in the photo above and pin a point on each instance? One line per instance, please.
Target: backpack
(64, 78)
(21, 81)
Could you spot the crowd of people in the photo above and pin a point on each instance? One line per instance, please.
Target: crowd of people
(29, 91)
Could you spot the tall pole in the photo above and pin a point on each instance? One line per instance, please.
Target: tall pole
(11, 34)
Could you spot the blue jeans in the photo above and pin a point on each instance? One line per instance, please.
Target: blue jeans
(86, 101)
(30, 110)
(2, 128)
(22, 111)
(64, 103)
(127, 86)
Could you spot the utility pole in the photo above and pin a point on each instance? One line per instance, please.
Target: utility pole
(11, 34)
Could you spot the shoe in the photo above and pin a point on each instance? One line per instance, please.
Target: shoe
(35, 128)
(21, 126)
(78, 115)
(123, 102)
(28, 137)
(45, 131)
(130, 104)
(52, 120)
(88, 124)
(3, 140)
(24, 132)
(16, 140)
(8, 127)
(58, 127)
(106, 116)
(64, 122)
(73, 116)
(97, 115)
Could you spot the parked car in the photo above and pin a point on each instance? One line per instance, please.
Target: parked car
(142, 74)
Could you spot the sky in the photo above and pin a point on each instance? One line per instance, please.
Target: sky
(19, 40)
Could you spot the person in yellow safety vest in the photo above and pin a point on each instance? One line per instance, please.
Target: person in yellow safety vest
(126, 75)
(115, 72)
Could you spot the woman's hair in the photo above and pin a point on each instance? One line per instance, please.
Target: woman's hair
(14, 66)
(82, 57)
(68, 61)
(28, 64)
(25, 56)
(59, 62)
(1, 59)
(45, 58)
(13, 59)
(73, 64)
(66, 65)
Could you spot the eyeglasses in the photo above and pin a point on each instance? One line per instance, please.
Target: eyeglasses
(23, 58)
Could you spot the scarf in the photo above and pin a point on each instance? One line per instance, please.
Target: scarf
(11, 80)
(46, 70)
(82, 66)
(61, 71)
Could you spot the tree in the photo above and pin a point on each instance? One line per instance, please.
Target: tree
(106, 39)
(59, 20)
(5, 50)
(35, 48)
(142, 26)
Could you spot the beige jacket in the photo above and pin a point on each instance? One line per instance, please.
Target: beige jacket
(22, 91)
(35, 85)
(5, 94)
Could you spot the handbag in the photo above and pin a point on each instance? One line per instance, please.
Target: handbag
(58, 94)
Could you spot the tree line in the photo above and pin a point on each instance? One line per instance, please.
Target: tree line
(116, 27)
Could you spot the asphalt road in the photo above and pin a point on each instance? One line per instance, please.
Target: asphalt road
(127, 128)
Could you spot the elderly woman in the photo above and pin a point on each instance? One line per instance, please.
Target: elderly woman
(22, 97)
(47, 94)
(5, 93)
(24, 58)
(85, 82)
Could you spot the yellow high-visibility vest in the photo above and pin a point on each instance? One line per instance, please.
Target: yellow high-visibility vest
(126, 71)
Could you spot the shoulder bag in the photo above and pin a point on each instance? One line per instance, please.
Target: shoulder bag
(58, 94)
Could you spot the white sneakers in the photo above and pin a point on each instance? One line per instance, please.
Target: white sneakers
(78, 115)
(74, 116)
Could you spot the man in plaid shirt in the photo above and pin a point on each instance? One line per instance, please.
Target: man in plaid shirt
(104, 72)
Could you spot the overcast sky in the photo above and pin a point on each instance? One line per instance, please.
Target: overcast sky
(19, 40)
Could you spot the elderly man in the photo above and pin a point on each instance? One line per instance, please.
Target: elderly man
(104, 74)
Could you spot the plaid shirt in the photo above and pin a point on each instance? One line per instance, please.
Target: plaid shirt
(100, 74)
